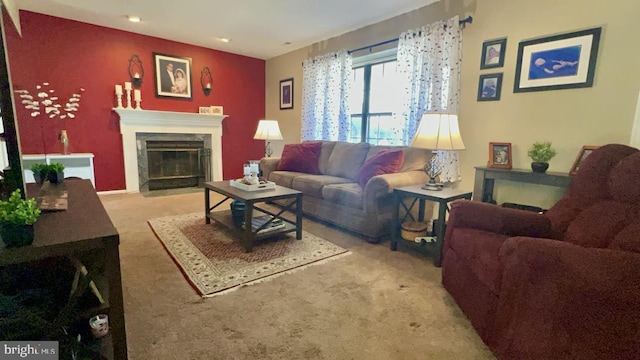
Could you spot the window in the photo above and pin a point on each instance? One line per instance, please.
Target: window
(375, 100)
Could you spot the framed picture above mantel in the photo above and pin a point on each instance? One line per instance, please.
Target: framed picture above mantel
(172, 76)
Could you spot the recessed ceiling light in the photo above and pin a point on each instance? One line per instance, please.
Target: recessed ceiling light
(224, 39)
(134, 19)
(287, 43)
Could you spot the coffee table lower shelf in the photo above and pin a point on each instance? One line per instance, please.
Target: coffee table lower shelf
(225, 218)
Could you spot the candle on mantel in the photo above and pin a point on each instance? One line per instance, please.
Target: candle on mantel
(118, 89)
(127, 86)
(136, 95)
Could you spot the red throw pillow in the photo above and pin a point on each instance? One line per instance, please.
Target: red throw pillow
(384, 162)
(301, 157)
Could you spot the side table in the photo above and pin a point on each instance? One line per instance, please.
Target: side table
(442, 197)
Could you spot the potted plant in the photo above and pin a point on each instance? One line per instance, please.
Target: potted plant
(541, 153)
(17, 216)
(56, 173)
(40, 172)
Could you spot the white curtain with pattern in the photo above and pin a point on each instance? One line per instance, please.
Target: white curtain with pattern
(326, 84)
(429, 62)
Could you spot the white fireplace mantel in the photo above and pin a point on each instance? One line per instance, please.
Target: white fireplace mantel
(150, 121)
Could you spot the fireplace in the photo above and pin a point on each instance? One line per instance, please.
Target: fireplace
(138, 127)
(177, 164)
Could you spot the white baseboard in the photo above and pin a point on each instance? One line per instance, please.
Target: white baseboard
(112, 192)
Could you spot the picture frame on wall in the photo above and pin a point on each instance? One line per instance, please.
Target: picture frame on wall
(493, 52)
(286, 94)
(490, 87)
(564, 61)
(172, 76)
(500, 155)
(584, 152)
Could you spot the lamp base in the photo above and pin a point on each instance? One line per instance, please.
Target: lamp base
(433, 186)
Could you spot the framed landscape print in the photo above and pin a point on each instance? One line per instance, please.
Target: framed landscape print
(172, 76)
(584, 152)
(500, 155)
(493, 53)
(286, 94)
(489, 87)
(564, 61)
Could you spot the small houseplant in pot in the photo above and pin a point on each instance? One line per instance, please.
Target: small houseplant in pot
(541, 153)
(56, 173)
(17, 216)
(40, 172)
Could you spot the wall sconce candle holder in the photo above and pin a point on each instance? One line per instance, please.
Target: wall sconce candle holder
(206, 80)
(136, 71)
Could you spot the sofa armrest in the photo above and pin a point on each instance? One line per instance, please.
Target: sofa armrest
(496, 219)
(383, 185)
(268, 165)
(559, 300)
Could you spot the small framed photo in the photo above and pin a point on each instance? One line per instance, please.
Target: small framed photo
(172, 76)
(493, 53)
(489, 87)
(584, 152)
(500, 155)
(564, 61)
(205, 110)
(216, 110)
(286, 94)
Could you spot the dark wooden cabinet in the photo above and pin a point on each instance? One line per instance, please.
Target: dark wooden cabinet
(486, 176)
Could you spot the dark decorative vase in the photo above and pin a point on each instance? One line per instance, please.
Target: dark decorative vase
(16, 235)
(55, 178)
(539, 167)
(40, 177)
(237, 212)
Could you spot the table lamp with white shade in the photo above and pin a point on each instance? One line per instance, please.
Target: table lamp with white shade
(437, 132)
(268, 130)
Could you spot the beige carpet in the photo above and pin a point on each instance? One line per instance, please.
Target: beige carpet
(374, 304)
(214, 263)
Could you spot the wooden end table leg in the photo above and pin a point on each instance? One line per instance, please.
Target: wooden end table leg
(442, 216)
(299, 217)
(395, 231)
(206, 206)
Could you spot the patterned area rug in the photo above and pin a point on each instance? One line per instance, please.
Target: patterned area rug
(214, 263)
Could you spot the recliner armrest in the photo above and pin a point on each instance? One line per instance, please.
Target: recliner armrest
(496, 219)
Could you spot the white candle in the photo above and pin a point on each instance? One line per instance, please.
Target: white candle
(208, 85)
(118, 89)
(127, 86)
(136, 94)
(254, 168)
(247, 170)
(136, 76)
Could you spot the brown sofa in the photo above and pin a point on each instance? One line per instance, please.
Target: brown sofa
(562, 285)
(334, 194)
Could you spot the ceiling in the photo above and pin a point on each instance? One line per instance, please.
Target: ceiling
(257, 28)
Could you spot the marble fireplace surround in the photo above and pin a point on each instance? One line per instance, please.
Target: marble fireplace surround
(169, 122)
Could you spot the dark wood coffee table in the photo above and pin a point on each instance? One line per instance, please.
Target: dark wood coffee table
(246, 235)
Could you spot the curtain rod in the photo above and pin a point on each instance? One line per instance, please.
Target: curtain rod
(467, 20)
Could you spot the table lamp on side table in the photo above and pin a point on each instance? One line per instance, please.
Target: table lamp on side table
(268, 130)
(437, 132)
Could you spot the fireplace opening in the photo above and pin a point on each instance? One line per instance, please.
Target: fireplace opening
(177, 164)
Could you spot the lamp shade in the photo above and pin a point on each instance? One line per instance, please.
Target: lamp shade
(268, 130)
(438, 132)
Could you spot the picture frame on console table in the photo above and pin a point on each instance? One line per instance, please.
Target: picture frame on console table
(172, 76)
(500, 155)
(564, 61)
(286, 94)
(584, 152)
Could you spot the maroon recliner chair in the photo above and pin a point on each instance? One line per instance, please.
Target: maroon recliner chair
(561, 285)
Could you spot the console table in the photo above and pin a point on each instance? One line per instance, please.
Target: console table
(77, 164)
(485, 177)
(85, 227)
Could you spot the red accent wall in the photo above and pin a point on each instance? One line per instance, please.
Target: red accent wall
(70, 55)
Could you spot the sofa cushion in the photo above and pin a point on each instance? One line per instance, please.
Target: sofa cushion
(413, 158)
(312, 184)
(284, 178)
(628, 239)
(597, 225)
(480, 251)
(349, 194)
(346, 159)
(300, 157)
(384, 162)
(325, 153)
